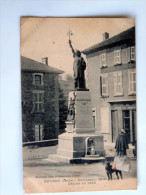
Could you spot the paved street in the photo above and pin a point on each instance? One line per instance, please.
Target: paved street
(85, 170)
(33, 158)
(31, 153)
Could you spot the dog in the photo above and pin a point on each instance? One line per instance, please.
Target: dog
(110, 170)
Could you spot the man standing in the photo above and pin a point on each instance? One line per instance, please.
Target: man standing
(79, 67)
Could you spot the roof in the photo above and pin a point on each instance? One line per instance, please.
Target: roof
(28, 64)
(122, 37)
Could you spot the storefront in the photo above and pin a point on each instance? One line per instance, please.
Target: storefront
(123, 115)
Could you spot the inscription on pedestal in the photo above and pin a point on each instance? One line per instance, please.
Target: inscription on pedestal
(84, 107)
(83, 110)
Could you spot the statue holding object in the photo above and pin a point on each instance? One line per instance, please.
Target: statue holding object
(79, 67)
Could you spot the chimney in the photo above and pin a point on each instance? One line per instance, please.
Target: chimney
(105, 36)
(45, 61)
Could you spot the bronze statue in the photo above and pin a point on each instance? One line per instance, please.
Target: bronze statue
(79, 67)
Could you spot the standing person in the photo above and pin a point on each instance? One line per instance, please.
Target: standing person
(121, 162)
(79, 67)
(121, 143)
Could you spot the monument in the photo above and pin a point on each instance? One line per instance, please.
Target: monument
(80, 139)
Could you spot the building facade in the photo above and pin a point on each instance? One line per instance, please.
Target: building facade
(111, 78)
(40, 101)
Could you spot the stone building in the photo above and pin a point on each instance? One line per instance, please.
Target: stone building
(111, 78)
(40, 100)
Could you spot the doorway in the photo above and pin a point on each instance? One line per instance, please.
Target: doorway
(115, 126)
(129, 124)
(134, 126)
(126, 123)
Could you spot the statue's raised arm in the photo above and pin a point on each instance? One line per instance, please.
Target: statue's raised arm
(73, 51)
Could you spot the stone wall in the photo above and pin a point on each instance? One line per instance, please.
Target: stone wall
(49, 117)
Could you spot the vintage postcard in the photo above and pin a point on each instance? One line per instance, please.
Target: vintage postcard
(78, 82)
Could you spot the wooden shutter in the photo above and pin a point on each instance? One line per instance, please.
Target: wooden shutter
(119, 56)
(41, 132)
(100, 86)
(128, 54)
(130, 82)
(115, 83)
(115, 57)
(104, 113)
(132, 53)
(37, 132)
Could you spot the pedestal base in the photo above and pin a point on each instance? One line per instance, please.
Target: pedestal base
(73, 145)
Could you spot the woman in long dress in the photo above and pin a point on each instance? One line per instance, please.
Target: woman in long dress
(121, 144)
(121, 162)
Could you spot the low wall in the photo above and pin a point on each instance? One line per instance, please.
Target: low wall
(51, 142)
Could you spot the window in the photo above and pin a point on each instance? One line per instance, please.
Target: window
(38, 132)
(118, 88)
(104, 85)
(132, 54)
(38, 101)
(103, 60)
(38, 79)
(132, 83)
(117, 57)
(126, 123)
(104, 113)
(129, 124)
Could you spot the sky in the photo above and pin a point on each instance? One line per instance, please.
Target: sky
(47, 37)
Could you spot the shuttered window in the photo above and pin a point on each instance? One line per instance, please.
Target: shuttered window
(38, 132)
(104, 85)
(118, 87)
(132, 82)
(132, 53)
(38, 101)
(104, 113)
(117, 57)
(103, 60)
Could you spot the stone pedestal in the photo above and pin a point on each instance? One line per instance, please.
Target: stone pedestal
(69, 126)
(83, 113)
(73, 145)
(80, 134)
